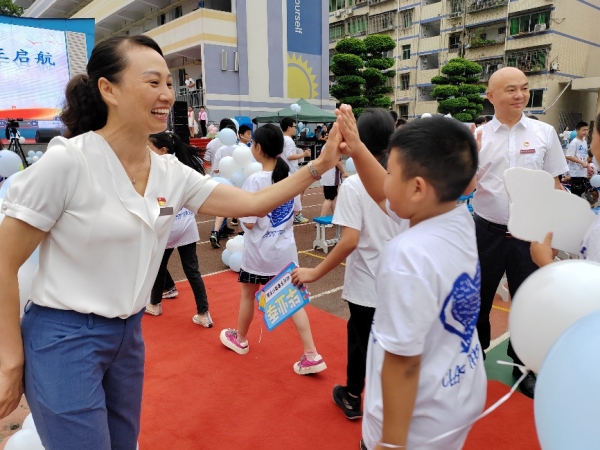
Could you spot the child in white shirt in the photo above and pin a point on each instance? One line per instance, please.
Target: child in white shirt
(542, 253)
(365, 229)
(269, 247)
(425, 373)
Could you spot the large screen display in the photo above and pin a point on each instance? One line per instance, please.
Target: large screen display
(34, 71)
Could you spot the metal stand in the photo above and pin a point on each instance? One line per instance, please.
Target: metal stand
(15, 146)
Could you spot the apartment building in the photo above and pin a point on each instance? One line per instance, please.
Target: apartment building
(553, 41)
(248, 57)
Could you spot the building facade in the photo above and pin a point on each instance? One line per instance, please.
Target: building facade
(554, 42)
(248, 57)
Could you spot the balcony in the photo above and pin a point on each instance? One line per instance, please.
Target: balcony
(483, 5)
(529, 61)
(489, 66)
(457, 8)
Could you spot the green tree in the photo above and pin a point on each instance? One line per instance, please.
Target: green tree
(458, 90)
(361, 72)
(8, 8)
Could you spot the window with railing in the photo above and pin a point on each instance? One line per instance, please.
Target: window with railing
(356, 25)
(482, 5)
(485, 36)
(489, 66)
(404, 111)
(404, 81)
(536, 98)
(374, 2)
(334, 5)
(456, 8)
(531, 61)
(406, 51)
(336, 30)
(454, 43)
(405, 19)
(382, 22)
(530, 23)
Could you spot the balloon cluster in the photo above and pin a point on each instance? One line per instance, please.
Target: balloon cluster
(232, 255)
(553, 324)
(295, 107)
(212, 131)
(10, 163)
(33, 156)
(241, 165)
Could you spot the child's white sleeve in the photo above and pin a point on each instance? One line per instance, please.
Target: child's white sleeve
(572, 148)
(348, 212)
(406, 309)
(251, 185)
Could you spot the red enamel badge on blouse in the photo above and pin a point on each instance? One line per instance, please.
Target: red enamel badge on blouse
(161, 201)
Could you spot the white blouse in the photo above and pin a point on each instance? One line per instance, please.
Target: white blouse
(105, 241)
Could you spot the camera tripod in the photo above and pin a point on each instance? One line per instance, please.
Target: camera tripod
(15, 146)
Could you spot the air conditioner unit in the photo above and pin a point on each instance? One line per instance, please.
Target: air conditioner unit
(539, 27)
(349, 11)
(555, 66)
(338, 14)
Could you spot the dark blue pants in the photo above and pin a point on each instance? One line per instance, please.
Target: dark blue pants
(83, 378)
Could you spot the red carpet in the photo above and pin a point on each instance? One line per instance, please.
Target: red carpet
(200, 395)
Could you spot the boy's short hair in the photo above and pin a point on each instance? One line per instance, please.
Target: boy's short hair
(580, 125)
(480, 120)
(287, 122)
(441, 150)
(489, 118)
(401, 121)
(394, 115)
(531, 116)
(243, 129)
(227, 123)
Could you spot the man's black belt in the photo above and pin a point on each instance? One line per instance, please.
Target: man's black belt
(495, 228)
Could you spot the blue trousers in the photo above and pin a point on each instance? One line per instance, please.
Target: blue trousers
(83, 378)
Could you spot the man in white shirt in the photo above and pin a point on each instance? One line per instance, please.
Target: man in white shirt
(509, 140)
(191, 86)
(292, 155)
(577, 155)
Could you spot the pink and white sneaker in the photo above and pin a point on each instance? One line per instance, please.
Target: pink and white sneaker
(229, 338)
(307, 366)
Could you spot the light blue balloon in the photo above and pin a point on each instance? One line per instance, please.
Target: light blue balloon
(237, 124)
(39, 154)
(350, 167)
(31, 153)
(227, 136)
(235, 261)
(223, 181)
(237, 179)
(567, 391)
(225, 257)
(573, 135)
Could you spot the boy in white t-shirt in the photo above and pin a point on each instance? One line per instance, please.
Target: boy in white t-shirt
(292, 155)
(542, 253)
(577, 154)
(425, 373)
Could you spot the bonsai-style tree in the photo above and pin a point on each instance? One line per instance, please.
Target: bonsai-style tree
(458, 90)
(361, 72)
(8, 8)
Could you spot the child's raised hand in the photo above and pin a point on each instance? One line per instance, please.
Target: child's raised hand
(302, 276)
(348, 129)
(330, 154)
(542, 253)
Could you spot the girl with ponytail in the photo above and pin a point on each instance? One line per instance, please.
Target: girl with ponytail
(269, 247)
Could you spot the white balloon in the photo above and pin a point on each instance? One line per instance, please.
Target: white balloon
(239, 237)
(39, 154)
(295, 107)
(237, 179)
(235, 261)
(595, 181)
(21, 140)
(548, 302)
(29, 160)
(35, 158)
(10, 163)
(252, 168)
(225, 257)
(242, 155)
(227, 136)
(425, 115)
(31, 153)
(350, 167)
(237, 125)
(227, 167)
(449, 116)
(28, 423)
(24, 440)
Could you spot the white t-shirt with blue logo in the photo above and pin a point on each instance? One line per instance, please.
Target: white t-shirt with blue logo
(579, 150)
(270, 245)
(590, 246)
(184, 230)
(428, 298)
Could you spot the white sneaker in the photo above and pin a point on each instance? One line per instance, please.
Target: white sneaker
(203, 319)
(154, 310)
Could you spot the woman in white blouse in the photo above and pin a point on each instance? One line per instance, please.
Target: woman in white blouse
(100, 206)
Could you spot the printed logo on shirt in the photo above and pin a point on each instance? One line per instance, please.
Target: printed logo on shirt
(461, 308)
(281, 214)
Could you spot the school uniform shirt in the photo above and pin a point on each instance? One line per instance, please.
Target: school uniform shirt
(184, 230)
(356, 209)
(191, 84)
(579, 150)
(530, 144)
(590, 245)
(270, 245)
(289, 149)
(211, 149)
(428, 298)
(222, 152)
(104, 241)
(331, 177)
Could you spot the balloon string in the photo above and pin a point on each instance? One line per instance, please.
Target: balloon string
(490, 409)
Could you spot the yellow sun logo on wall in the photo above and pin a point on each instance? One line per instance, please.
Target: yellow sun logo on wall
(301, 81)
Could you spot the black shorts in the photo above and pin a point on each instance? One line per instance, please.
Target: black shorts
(330, 192)
(247, 277)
